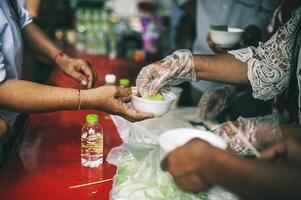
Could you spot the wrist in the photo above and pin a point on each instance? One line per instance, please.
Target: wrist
(211, 165)
(185, 59)
(60, 58)
(85, 96)
(91, 99)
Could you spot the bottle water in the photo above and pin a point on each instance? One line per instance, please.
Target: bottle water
(110, 79)
(92, 142)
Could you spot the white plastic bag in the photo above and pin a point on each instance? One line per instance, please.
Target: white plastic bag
(144, 180)
(139, 175)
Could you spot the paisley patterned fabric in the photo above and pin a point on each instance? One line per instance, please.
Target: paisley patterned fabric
(269, 65)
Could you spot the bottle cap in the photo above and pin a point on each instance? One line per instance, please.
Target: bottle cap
(110, 79)
(92, 118)
(124, 82)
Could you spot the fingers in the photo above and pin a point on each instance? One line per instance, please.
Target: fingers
(79, 77)
(154, 87)
(123, 92)
(190, 183)
(129, 113)
(213, 110)
(215, 47)
(150, 79)
(206, 105)
(95, 75)
(143, 80)
(87, 71)
(134, 115)
(203, 105)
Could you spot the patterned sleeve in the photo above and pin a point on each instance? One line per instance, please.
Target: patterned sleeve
(269, 64)
(25, 19)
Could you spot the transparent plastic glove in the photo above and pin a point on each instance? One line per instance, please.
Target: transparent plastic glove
(173, 69)
(214, 101)
(261, 132)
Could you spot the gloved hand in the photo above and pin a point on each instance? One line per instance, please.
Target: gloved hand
(261, 132)
(214, 101)
(173, 69)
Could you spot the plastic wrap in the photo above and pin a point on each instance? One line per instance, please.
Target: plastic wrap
(171, 70)
(261, 132)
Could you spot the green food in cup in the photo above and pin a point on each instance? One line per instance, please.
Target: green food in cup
(157, 97)
(219, 27)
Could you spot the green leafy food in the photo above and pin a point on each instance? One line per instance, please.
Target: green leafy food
(157, 97)
(219, 27)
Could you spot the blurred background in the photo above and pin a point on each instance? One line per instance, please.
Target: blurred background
(141, 31)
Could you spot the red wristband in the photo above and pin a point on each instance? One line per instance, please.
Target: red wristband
(59, 54)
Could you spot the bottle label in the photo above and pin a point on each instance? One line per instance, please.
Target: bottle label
(92, 142)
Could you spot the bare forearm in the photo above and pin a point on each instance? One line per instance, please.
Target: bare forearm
(33, 7)
(39, 42)
(221, 68)
(255, 179)
(24, 96)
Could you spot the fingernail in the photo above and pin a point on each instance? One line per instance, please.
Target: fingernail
(147, 114)
(84, 82)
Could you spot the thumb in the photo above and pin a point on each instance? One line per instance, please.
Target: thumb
(164, 164)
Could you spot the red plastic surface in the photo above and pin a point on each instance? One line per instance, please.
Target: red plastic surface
(47, 160)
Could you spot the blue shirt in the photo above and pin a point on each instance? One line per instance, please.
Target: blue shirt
(234, 13)
(11, 47)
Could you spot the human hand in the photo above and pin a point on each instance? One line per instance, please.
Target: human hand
(171, 70)
(261, 132)
(215, 47)
(113, 100)
(214, 101)
(78, 69)
(188, 165)
(288, 149)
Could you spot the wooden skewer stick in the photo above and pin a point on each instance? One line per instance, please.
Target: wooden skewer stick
(92, 183)
(244, 139)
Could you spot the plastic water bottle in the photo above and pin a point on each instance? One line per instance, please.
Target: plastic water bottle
(110, 79)
(92, 142)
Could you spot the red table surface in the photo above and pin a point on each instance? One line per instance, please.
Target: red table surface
(46, 161)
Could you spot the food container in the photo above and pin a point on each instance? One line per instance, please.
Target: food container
(158, 107)
(226, 39)
(175, 138)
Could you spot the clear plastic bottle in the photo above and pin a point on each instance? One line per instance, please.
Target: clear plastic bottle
(92, 142)
(110, 79)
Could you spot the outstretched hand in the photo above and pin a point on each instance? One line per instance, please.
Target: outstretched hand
(113, 100)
